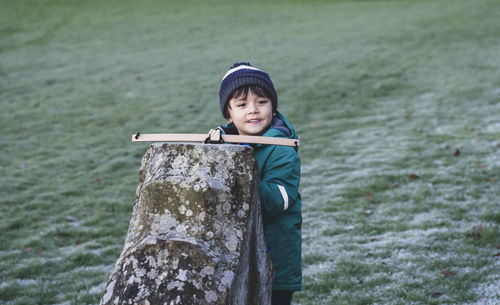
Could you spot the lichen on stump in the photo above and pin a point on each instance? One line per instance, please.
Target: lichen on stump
(195, 236)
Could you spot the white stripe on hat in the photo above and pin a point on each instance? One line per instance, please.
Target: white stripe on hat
(284, 195)
(240, 68)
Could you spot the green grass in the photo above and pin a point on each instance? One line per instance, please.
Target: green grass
(379, 91)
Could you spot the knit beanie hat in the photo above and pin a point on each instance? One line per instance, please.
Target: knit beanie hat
(243, 74)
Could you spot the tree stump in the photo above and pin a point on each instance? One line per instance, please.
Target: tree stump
(196, 235)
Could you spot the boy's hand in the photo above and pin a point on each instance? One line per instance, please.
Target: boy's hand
(214, 135)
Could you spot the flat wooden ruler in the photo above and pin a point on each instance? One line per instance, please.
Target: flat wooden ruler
(212, 138)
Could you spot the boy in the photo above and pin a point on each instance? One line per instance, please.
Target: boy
(249, 102)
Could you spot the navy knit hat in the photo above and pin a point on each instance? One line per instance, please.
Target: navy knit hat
(243, 74)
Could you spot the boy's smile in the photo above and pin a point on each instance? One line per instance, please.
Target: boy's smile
(251, 116)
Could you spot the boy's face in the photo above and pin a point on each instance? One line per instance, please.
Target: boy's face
(251, 116)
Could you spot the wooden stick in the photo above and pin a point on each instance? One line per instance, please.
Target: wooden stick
(201, 137)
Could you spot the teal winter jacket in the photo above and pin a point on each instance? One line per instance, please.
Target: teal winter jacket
(281, 204)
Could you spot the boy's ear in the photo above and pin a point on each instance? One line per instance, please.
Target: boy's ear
(230, 121)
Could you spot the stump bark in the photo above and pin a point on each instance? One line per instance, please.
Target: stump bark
(196, 235)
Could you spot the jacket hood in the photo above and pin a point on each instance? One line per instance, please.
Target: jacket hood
(281, 127)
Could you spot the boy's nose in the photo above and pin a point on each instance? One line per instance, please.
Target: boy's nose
(253, 108)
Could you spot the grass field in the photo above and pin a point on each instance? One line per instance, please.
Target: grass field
(397, 104)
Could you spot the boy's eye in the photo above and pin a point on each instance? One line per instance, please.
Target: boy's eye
(263, 102)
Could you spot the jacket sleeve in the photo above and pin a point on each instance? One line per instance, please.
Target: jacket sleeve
(279, 181)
